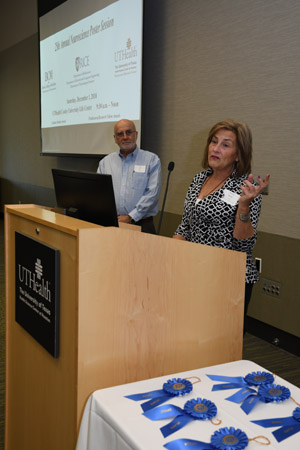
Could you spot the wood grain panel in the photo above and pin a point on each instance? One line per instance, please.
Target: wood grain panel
(132, 306)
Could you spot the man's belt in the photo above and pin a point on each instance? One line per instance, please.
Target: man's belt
(140, 222)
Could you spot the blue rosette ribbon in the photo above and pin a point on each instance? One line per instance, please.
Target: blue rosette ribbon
(242, 383)
(172, 388)
(287, 426)
(196, 409)
(259, 378)
(266, 393)
(229, 439)
(223, 439)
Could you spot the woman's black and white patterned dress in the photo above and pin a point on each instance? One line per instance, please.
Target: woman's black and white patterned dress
(211, 220)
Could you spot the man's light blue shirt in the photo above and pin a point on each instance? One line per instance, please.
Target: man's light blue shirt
(136, 180)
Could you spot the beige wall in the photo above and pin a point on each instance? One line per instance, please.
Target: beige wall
(206, 60)
(231, 58)
(280, 256)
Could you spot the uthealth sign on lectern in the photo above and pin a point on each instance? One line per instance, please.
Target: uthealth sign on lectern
(37, 290)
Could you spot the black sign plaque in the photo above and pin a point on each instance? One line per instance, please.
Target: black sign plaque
(37, 290)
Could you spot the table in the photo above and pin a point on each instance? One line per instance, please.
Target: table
(113, 422)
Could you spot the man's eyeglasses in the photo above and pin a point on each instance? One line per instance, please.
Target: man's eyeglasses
(127, 132)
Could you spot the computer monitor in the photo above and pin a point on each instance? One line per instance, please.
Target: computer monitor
(86, 196)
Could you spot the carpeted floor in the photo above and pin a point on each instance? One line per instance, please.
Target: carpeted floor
(274, 359)
(266, 355)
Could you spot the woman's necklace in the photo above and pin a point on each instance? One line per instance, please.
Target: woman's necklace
(213, 189)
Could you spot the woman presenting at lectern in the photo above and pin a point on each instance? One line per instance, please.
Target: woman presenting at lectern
(222, 205)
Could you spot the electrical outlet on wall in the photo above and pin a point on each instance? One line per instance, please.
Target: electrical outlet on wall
(271, 287)
(258, 263)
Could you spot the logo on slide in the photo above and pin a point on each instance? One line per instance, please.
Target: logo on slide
(127, 53)
(49, 75)
(81, 62)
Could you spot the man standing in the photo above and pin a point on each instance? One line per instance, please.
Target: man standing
(136, 176)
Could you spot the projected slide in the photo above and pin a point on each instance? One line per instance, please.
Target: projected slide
(91, 74)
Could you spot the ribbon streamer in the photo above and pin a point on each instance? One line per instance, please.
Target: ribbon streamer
(172, 388)
(266, 394)
(251, 379)
(288, 426)
(182, 444)
(196, 409)
(223, 439)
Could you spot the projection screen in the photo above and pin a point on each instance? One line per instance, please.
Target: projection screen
(90, 74)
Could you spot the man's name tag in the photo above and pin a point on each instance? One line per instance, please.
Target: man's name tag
(230, 197)
(140, 169)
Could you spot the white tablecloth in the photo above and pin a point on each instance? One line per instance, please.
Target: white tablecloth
(113, 422)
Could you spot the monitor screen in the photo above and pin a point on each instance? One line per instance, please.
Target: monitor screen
(86, 196)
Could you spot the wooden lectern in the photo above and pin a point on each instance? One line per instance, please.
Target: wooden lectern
(132, 306)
